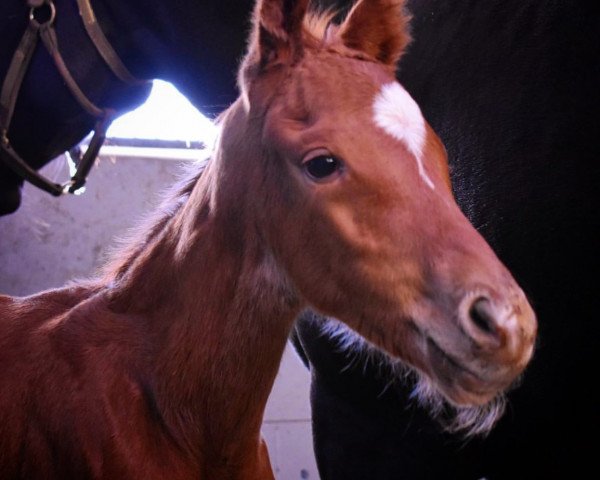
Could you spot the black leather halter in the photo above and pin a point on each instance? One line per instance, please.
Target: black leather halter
(44, 29)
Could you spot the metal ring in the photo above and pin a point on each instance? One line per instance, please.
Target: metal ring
(66, 187)
(50, 21)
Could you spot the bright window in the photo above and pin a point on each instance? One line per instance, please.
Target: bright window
(166, 115)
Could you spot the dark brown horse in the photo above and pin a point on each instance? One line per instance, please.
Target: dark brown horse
(195, 44)
(326, 188)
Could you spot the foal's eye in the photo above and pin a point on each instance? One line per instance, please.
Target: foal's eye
(322, 167)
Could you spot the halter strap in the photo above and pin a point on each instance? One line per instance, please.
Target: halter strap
(14, 79)
(48, 36)
(15, 74)
(103, 46)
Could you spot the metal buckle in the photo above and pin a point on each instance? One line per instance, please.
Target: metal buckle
(38, 5)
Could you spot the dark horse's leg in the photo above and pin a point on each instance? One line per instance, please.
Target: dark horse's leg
(511, 86)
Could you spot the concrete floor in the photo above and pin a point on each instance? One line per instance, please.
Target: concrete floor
(50, 241)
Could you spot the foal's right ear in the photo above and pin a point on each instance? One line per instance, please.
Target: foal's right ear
(378, 28)
(277, 31)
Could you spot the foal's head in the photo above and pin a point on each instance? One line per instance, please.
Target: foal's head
(348, 187)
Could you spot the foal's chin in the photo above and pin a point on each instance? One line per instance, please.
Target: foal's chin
(463, 383)
(465, 395)
(462, 397)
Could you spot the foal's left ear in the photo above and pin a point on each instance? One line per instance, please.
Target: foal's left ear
(378, 28)
(277, 34)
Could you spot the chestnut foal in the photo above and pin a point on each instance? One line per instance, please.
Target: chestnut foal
(326, 188)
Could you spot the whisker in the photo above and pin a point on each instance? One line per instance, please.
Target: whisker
(476, 421)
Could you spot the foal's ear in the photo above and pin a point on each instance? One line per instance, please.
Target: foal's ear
(378, 28)
(277, 30)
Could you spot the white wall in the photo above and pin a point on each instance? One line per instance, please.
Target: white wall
(50, 241)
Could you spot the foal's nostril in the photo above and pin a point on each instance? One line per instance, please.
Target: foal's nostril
(482, 315)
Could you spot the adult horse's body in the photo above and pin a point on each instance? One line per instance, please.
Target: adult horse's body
(194, 44)
(315, 195)
(512, 88)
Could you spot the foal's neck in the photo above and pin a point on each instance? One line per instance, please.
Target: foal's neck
(220, 312)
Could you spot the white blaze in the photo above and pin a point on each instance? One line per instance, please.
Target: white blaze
(400, 116)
